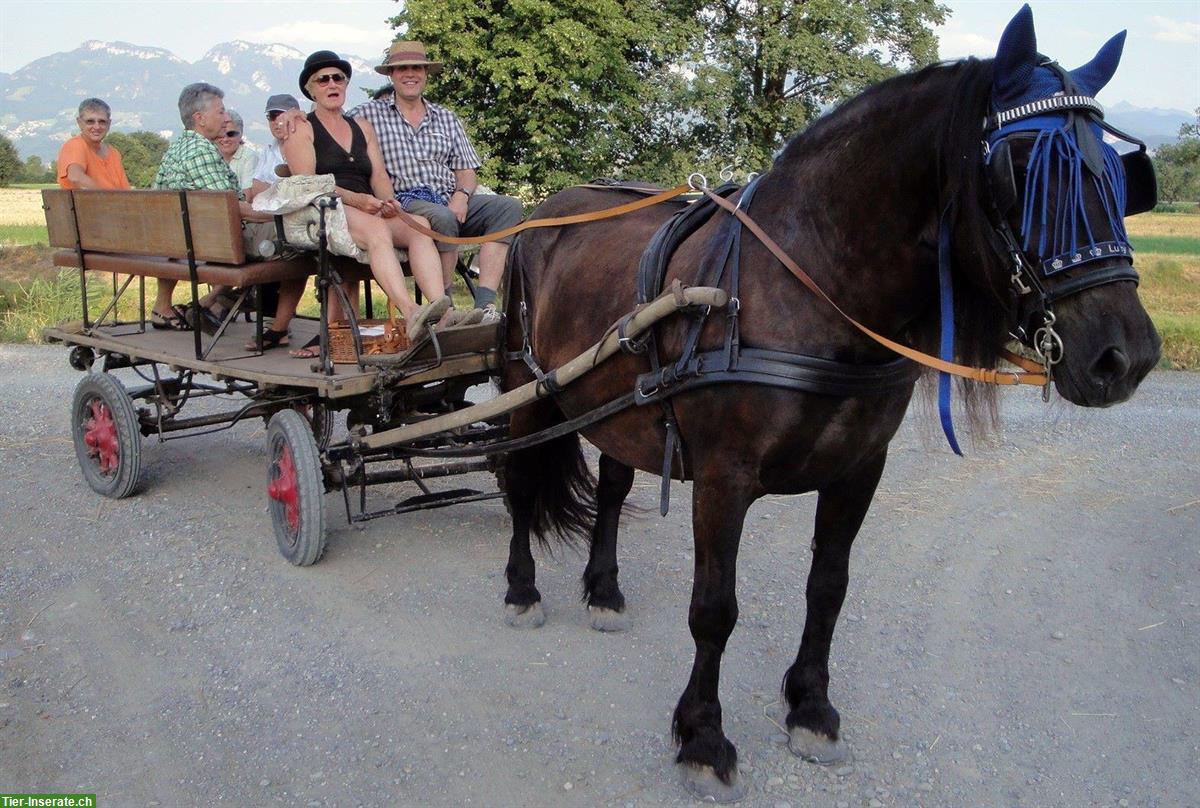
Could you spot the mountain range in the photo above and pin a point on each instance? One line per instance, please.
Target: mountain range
(38, 102)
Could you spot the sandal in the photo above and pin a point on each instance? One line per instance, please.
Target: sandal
(169, 322)
(270, 339)
(427, 315)
(310, 350)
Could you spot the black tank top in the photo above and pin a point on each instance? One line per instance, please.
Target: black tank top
(351, 170)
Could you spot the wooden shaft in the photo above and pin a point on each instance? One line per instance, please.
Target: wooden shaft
(663, 306)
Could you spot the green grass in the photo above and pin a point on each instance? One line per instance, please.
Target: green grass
(1181, 340)
(1166, 245)
(28, 307)
(15, 234)
(35, 186)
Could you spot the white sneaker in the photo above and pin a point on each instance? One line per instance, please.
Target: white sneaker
(491, 315)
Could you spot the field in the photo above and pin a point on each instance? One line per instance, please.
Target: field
(33, 294)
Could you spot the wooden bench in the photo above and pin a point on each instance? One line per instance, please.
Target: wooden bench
(153, 233)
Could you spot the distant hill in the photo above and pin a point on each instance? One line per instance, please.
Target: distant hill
(38, 103)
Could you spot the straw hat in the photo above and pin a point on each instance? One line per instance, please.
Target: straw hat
(407, 52)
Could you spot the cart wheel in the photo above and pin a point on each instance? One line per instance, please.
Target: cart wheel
(295, 489)
(320, 421)
(106, 434)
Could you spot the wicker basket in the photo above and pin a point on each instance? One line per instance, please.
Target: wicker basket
(392, 341)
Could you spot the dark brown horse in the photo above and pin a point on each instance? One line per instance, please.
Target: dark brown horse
(859, 199)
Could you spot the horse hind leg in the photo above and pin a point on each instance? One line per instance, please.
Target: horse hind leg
(550, 490)
(601, 592)
(814, 726)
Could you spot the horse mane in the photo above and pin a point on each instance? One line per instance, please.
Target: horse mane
(951, 134)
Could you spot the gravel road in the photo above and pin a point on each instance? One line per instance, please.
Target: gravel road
(1021, 629)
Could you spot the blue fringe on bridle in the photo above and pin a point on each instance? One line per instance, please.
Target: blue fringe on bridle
(1055, 148)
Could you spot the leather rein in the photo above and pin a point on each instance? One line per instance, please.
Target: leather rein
(1031, 373)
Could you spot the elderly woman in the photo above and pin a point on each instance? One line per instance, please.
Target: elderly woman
(328, 142)
(232, 146)
(86, 161)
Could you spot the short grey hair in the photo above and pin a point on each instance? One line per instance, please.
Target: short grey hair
(196, 98)
(96, 104)
(238, 124)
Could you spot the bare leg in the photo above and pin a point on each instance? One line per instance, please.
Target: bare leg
(448, 259)
(812, 722)
(372, 234)
(491, 264)
(422, 256)
(162, 301)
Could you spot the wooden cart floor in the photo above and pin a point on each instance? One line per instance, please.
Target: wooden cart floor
(465, 351)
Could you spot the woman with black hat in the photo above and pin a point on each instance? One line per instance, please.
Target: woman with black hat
(328, 142)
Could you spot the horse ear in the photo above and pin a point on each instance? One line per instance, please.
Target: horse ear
(1016, 58)
(1096, 73)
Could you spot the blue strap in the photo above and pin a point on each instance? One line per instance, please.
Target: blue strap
(946, 351)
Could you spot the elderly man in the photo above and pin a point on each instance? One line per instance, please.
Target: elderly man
(192, 162)
(432, 167)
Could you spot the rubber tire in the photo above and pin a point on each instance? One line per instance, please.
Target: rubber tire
(103, 387)
(306, 544)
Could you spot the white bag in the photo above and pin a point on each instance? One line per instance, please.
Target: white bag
(294, 198)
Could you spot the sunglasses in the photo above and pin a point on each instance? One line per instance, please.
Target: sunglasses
(275, 113)
(336, 78)
(233, 133)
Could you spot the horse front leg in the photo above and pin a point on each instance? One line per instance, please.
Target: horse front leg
(601, 592)
(708, 760)
(814, 726)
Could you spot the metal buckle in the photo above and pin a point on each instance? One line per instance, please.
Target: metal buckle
(702, 185)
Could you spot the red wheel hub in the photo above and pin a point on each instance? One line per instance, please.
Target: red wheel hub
(283, 489)
(100, 436)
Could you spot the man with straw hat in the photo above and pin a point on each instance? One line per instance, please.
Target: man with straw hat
(432, 166)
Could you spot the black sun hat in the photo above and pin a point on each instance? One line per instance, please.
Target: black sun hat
(315, 61)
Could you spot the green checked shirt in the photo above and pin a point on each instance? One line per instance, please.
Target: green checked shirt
(192, 163)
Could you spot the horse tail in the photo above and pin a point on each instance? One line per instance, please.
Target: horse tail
(551, 478)
(564, 502)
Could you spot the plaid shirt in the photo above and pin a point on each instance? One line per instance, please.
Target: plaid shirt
(426, 155)
(192, 163)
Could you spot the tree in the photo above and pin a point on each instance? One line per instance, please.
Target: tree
(10, 163)
(36, 171)
(1178, 165)
(552, 91)
(560, 92)
(141, 152)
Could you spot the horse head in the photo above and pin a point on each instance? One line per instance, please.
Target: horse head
(1058, 199)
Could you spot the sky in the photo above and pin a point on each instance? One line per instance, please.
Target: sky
(1161, 67)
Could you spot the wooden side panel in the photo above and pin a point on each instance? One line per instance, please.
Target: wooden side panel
(151, 223)
(60, 222)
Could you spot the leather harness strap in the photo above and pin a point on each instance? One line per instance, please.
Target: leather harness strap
(557, 221)
(1030, 375)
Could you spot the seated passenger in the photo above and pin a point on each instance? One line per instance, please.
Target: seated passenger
(193, 163)
(86, 161)
(240, 157)
(271, 155)
(328, 142)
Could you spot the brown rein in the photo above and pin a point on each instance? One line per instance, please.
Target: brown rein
(1031, 373)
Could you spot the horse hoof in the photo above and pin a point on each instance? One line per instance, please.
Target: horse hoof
(817, 748)
(606, 619)
(702, 783)
(530, 616)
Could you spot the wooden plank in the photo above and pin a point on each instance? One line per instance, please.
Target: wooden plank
(274, 367)
(216, 226)
(151, 223)
(60, 222)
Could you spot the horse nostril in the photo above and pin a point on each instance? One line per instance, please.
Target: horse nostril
(1112, 365)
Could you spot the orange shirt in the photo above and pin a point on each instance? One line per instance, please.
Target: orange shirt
(107, 172)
